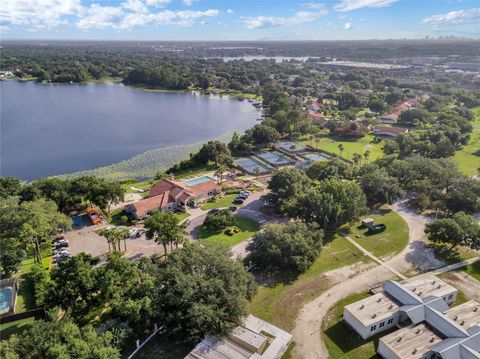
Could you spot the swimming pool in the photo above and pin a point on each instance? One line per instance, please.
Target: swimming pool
(197, 180)
(6, 299)
(248, 164)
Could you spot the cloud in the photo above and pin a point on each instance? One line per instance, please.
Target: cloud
(230, 11)
(300, 17)
(129, 14)
(314, 6)
(454, 17)
(348, 26)
(349, 5)
(188, 2)
(35, 13)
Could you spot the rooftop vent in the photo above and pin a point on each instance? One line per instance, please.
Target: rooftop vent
(455, 317)
(390, 306)
(379, 300)
(399, 339)
(414, 289)
(418, 331)
(419, 293)
(439, 286)
(414, 351)
(475, 309)
(362, 306)
(374, 316)
(432, 339)
(433, 283)
(462, 322)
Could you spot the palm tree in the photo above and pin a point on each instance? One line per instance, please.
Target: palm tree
(317, 143)
(357, 158)
(256, 171)
(114, 236)
(219, 173)
(163, 227)
(366, 154)
(341, 148)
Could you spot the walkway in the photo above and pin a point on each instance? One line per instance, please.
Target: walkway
(456, 265)
(375, 258)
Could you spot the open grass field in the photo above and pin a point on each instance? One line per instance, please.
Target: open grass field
(143, 185)
(279, 300)
(247, 229)
(474, 270)
(225, 201)
(16, 327)
(384, 244)
(341, 341)
(330, 144)
(468, 159)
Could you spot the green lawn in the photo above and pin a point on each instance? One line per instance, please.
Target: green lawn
(387, 243)
(468, 159)
(144, 185)
(280, 300)
(454, 255)
(115, 216)
(330, 144)
(341, 341)
(15, 327)
(225, 201)
(182, 215)
(247, 230)
(473, 270)
(25, 299)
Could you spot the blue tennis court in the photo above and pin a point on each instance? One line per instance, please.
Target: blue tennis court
(274, 158)
(249, 164)
(291, 147)
(315, 156)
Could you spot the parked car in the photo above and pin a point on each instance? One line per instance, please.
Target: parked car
(187, 222)
(136, 232)
(377, 228)
(214, 211)
(239, 200)
(245, 192)
(61, 252)
(233, 209)
(243, 196)
(61, 243)
(63, 257)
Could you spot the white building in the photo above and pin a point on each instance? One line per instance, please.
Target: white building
(255, 339)
(427, 327)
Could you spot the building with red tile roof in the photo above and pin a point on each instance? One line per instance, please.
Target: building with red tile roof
(167, 195)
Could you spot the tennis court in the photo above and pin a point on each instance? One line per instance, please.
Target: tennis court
(291, 147)
(250, 165)
(274, 158)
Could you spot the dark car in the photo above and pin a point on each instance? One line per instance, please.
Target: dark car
(233, 209)
(376, 228)
(214, 211)
(239, 200)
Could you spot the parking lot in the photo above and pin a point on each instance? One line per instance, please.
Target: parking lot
(86, 240)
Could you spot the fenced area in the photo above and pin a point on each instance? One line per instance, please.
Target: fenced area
(275, 158)
(8, 294)
(252, 166)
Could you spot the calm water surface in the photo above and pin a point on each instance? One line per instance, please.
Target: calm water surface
(55, 129)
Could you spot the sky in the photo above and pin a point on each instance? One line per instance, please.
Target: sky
(238, 20)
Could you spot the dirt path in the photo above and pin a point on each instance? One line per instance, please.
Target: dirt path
(464, 282)
(415, 255)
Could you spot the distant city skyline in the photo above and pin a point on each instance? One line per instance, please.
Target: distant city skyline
(238, 20)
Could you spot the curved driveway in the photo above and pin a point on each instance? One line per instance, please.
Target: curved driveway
(416, 255)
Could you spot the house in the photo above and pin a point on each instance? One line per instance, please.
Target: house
(254, 339)
(390, 118)
(168, 195)
(315, 117)
(427, 327)
(388, 131)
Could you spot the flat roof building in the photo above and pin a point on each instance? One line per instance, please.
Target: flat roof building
(427, 327)
(254, 339)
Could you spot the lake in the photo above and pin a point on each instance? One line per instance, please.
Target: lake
(51, 129)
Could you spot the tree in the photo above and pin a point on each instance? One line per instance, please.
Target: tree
(40, 282)
(114, 236)
(290, 247)
(347, 100)
(380, 188)
(163, 227)
(202, 292)
(285, 184)
(10, 186)
(357, 158)
(341, 148)
(333, 203)
(366, 155)
(334, 168)
(74, 285)
(264, 135)
(415, 115)
(463, 195)
(214, 151)
(40, 221)
(218, 221)
(460, 229)
(61, 339)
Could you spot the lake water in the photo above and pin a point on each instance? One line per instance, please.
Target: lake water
(50, 129)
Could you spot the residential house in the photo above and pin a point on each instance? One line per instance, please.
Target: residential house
(316, 118)
(168, 195)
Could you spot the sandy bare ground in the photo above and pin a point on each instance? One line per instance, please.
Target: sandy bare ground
(464, 282)
(416, 255)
